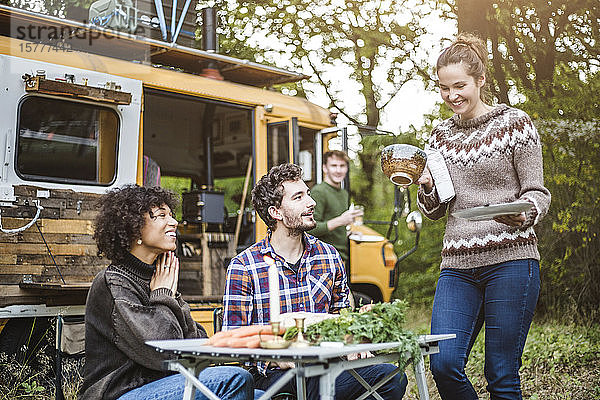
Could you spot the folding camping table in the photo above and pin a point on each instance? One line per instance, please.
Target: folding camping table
(193, 355)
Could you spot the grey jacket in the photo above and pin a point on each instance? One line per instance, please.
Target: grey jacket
(121, 315)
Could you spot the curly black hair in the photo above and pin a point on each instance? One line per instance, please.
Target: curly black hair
(268, 191)
(121, 217)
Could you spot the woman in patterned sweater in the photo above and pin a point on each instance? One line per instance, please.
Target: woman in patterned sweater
(490, 269)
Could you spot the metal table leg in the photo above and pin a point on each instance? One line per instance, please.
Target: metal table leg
(189, 392)
(419, 364)
(190, 372)
(300, 382)
(327, 384)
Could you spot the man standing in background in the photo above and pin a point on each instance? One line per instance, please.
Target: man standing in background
(331, 211)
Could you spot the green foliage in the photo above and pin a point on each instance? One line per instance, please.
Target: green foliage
(32, 388)
(573, 98)
(530, 42)
(233, 188)
(177, 185)
(555, 347)
(26, 380)
(559, 362)
(360, 36)
(21, 381)
(537, 36)
(383, 323)
(58, 8)
(418, 272)
(570, 233)
(290, 333)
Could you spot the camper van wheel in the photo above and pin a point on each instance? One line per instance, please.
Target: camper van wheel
(361, 299)
(23, 338)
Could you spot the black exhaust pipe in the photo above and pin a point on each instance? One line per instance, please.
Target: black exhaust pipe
(209, 42)
(209, 29)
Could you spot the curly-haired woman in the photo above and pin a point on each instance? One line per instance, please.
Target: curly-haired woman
(490, 269)
(135, 299)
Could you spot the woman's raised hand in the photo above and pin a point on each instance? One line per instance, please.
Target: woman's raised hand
(426, 180)
(166, 274)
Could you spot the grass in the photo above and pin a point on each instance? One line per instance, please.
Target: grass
(30, 375)
(560, 362)
(23, 381)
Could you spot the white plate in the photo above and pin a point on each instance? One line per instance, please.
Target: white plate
(483, 213)
(289, 319)
(358, 237)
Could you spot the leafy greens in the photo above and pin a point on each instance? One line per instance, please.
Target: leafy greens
(383, 323)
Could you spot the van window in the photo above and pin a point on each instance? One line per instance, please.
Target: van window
(278, 143)
(64, 141)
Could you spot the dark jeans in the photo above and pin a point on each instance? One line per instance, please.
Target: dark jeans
(346, 386)
(504, 297)
(228, 383)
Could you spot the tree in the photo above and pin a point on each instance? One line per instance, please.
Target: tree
(57, 8)
(532, 40)
(471, 16)
(570, 233)
(371, 44)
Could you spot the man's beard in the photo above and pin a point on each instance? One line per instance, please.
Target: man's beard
(295, 225)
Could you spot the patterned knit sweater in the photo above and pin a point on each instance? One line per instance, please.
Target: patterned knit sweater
(493, 158)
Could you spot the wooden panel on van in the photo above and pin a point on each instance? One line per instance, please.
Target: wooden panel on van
(60, 240)
(29, 273)
(37, 84)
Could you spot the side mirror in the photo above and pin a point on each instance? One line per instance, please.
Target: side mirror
(414, 221)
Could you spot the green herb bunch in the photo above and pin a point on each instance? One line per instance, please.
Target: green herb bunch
(383, 323)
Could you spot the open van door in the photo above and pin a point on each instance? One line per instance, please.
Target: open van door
(278, 148)
(282, 141)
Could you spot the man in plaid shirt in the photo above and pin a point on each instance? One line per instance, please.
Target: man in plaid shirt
(311, 278)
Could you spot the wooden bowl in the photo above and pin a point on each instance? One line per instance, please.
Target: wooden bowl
(403, 163)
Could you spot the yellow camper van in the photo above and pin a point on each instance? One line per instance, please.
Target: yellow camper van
(87, 108)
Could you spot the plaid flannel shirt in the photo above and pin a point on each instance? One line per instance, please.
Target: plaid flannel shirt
(320, 285)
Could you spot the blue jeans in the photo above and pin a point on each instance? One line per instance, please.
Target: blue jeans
(504, 297)
(228, 383)
(346, 386)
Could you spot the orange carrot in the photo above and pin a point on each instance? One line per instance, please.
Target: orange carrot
(253, 330)
(244, 331)
(250, 342)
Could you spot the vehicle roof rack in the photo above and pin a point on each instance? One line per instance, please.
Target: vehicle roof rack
(90, 38)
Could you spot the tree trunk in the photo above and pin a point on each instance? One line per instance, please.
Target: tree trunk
(367, 161)
(472, 16)
(499, 76)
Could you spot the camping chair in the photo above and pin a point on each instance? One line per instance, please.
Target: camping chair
(70, 342)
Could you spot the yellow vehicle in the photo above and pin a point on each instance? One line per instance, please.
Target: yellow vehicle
(82, 116)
